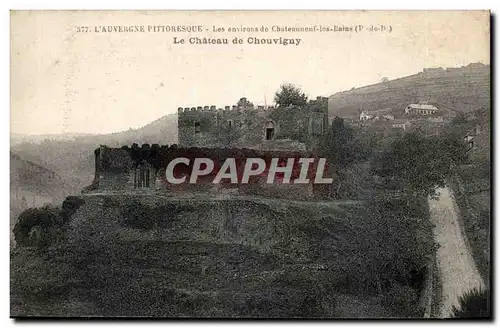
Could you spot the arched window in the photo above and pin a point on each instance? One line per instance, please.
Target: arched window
(270, 130)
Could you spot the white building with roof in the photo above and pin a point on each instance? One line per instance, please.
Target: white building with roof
(400, 124)
(364, 116)
(421, 109)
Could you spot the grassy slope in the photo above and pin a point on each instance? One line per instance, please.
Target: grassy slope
(476, 215)
(222, 258)
(464, 89)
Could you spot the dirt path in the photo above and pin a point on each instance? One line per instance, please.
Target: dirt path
(455, 262)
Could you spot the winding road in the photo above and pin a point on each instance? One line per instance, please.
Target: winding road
(456, 267)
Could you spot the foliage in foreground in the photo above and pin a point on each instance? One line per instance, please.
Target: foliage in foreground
(382, 251)
(375, 253)
(473, 304)
(42, 226)
(416, 164)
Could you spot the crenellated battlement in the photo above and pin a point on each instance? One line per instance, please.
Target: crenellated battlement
(254, 126)
(214, 109)
(149, 167)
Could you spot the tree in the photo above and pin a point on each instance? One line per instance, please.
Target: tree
(457, 129)
(473, 304)
(340, 149)
(244, 103)
(385, 81)
(339, 144)
(289, 94)
(414, 164)
(455, 146)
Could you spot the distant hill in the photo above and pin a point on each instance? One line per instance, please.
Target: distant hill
(461, 89)
(163, 130)
(32, 185)
(34, 178)
(16, 138)
(71, 155)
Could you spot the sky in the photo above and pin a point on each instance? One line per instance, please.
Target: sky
(65, 81)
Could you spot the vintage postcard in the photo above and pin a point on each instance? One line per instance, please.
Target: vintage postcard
(250, 164)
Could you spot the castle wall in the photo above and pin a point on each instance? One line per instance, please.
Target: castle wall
(206, 131)
(116, 169)
(232, 126)
(223, 127)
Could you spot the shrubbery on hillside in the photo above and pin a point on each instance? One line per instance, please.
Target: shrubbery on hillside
(402, 300)
(473, 304)
(415, 164)
(34, 226)
(390, 250)
(142, 216)
(41, 226)
(382, 251)
(374, 252)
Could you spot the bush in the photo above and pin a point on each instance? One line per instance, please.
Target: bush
(41, 226)
(473, 304)
(33, 225)
(69, 207)
(141, 216)
(390, 242)
(138, 215)
(415, 164)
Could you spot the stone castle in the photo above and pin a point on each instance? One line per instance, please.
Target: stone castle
(136, 168)
(232, 132)
(261, 127)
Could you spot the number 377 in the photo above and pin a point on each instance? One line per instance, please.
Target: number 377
(82, 29)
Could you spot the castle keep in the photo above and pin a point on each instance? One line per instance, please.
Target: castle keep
(265, 128)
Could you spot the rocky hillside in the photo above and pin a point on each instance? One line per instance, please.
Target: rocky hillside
(155, 256)
(461, 89)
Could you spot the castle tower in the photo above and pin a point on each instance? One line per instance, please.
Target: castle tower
(195, 125)
(318, 123)
(232, 126)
